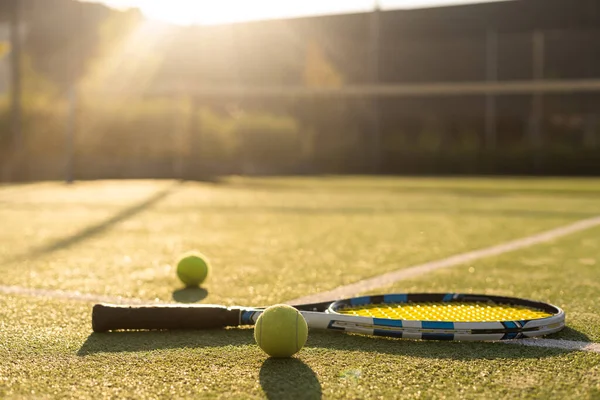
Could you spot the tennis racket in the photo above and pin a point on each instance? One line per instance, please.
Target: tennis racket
(435, 316)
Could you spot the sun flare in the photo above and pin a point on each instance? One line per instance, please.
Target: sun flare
(187, 12)
(213, 12)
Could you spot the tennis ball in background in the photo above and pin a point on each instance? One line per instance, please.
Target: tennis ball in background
(192, 269)
(281, 331)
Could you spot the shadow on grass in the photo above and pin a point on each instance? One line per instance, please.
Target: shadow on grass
(122, 342)
(440, 349)
(445, 187)
(117, 342)
(457, 211)
(499, 191)
(98, 228)
(289, 378)
(205, 179)
(189, 294)
(570, 334)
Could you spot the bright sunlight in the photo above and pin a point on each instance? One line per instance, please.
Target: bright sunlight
(185, 12)
(188, 12)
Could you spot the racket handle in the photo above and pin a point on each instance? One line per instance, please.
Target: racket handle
(108, 317)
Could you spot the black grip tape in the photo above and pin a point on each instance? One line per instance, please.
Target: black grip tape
(108, 317)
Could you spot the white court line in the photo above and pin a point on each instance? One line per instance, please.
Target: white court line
(354, 288)
(411, 272)
(558, 344)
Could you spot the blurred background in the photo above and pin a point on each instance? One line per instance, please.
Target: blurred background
(193, 90)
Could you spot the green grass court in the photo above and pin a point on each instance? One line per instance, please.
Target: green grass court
(274, 239)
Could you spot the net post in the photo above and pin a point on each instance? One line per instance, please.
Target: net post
(70, 134)
(75, 69)
(15, 88)
(179, 152)
(194, 132)
(373, 60)
(537, 104)
(491, 62)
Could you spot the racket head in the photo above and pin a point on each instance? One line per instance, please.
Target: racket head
(452, 313)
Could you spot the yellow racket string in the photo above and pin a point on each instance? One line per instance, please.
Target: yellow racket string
(450, 312)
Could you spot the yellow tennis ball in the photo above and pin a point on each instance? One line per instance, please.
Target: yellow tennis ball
(281, 331)
(192, 269)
